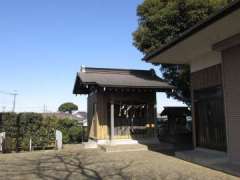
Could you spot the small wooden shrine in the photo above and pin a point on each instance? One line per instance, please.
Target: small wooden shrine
(121, 103)
(176, 119)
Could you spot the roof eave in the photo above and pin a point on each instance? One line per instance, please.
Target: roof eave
(77, 89)
(198, 27)
(169, 87)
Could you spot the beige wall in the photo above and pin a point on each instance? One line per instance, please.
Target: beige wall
(200, 43)
(207, 60)
(231, 81)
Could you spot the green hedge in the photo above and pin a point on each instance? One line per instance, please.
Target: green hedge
(22, 127)
(72, 131)
(9, 124)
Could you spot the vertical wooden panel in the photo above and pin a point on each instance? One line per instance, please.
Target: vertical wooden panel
(210, 120)
(208, 77)
(208, 129)
(112, 120)
(103, 100)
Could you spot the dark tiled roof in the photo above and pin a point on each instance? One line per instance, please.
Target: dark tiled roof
(235, 5)
(118, 78)
(176, 111)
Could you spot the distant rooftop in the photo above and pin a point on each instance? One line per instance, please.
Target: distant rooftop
(91, 78)
(176, 111)
(79, 115)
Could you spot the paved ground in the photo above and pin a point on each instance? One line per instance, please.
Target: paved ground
(76, 163)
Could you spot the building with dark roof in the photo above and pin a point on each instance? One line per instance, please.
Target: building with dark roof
(89, 78)
(121, 103)
(176, 126)
(212, 49)
(176, 111)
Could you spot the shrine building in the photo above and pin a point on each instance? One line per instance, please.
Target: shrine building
(121, 103)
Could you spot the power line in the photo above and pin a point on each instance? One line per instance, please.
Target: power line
(8, 93)
(14, 94)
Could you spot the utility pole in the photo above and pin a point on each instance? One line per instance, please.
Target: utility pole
(14, 94)
(14, 100)
(3, 108)
(44, 108)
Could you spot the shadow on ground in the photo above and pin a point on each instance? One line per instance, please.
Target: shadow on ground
(84, 165)
(70, 166)
(67, 166)
(77, 163)
(168, 148)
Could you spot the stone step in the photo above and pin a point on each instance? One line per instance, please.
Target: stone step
(124, 148)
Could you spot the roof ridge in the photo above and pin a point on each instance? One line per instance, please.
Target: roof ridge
(90, 79)
(115, 70)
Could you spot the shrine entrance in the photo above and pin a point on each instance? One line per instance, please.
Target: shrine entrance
(129, 120)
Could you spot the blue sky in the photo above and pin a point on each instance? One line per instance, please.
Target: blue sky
(44, 43)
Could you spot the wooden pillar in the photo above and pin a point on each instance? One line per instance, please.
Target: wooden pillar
(155, 116)
(112, 121)
(194, 131)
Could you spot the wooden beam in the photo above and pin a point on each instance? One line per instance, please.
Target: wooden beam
(112, 121)
(227, 43)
